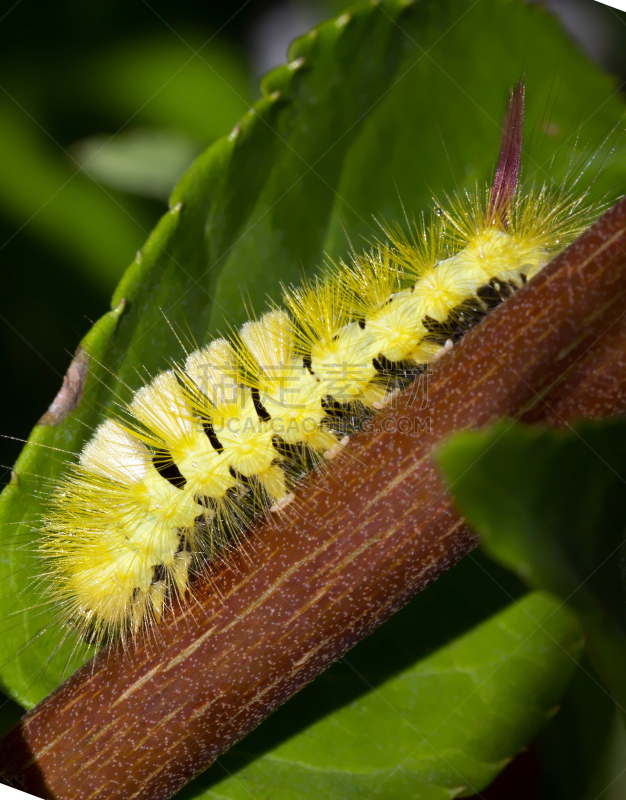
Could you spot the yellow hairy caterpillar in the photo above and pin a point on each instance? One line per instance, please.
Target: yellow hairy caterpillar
(210, 442)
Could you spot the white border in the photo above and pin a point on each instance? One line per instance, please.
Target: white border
(7, 793)
(620, 4)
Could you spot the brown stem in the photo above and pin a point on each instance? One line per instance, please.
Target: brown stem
(358, 545)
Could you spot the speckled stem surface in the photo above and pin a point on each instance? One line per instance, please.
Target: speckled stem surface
(358, 543)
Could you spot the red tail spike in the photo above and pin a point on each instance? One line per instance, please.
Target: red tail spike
(507, 171)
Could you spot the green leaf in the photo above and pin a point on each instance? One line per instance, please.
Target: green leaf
(443, 728)
(346, 133)
(551, 506)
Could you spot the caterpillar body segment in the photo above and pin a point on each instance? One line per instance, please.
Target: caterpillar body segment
(207, 444)
(289, 394)
(113, 529)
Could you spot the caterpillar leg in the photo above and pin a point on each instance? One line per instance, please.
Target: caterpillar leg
(282, 503)
(273, 481)
(334, 451)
